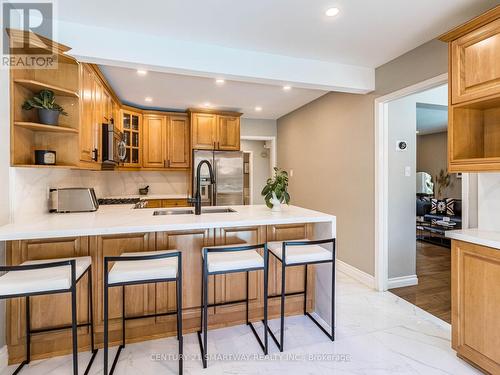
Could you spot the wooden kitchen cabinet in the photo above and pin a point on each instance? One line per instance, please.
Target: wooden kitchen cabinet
(203, 131)
(154, 153)
(228, 133)
(475, 273)
(215, 130)
(475, 63)
(166, 141)
(474, 80)
(132, 135)
(87, 126)
(178, 150)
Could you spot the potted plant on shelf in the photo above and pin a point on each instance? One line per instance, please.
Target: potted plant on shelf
(48, 109)
(276, 190)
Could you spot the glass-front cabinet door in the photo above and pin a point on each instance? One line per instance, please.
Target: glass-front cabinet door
(131, 125)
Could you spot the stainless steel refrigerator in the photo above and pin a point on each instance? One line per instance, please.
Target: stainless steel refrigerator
(228, 171)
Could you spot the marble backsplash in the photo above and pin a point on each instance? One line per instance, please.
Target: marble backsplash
(30, 186)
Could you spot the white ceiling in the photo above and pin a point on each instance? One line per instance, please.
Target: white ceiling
(366, 33)
(179, 92)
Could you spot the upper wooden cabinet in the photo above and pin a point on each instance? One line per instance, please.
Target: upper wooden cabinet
(166, 141)
(179, 152)
(474, 79)
(228, 131)
(154, 153)
(215, 130)
(475, 67)
(132, 128)
(203, 131)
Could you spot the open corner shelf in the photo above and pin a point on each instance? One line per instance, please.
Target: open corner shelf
(45, 128)
(37, 86)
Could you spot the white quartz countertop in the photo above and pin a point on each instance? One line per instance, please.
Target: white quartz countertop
(116, 219)
(476, 236)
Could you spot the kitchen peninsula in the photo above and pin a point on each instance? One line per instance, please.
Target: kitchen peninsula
(115, 229)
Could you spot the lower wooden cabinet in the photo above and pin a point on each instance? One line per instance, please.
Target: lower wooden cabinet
(166, 203)
(54, 310)
(475, 304)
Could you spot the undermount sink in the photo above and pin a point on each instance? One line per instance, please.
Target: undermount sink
(216, 210)
(173, 212)
(207, 210)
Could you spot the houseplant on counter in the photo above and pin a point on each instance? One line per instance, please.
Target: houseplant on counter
(48, 109)
(276, 190)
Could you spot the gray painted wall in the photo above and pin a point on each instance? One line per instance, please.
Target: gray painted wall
(331, 141)
(255, 127)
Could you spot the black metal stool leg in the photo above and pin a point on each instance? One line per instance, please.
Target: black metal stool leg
(283, 292)
(74, 330)
(123, 316)
(305, 290)
(179, 315)
(106, 328)
(333, 298)
(91, 320)
(247, 296)
(266, 291)
(205, 315)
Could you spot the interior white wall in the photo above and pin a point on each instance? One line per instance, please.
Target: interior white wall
(489, 201)
(31, 185)
(402, 190)
(260, 167)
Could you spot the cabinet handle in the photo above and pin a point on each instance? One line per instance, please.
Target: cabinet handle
(169, 163)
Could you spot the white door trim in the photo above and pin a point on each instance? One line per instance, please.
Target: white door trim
(382, 174)
(250, 172)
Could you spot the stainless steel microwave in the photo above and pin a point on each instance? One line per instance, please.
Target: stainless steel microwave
(113, 145)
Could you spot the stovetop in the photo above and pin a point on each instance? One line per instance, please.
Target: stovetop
(107, 201)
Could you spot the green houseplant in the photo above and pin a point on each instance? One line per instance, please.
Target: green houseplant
(276, 190)
(48, 109)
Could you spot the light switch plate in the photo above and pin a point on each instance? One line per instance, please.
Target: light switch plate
(407, 171)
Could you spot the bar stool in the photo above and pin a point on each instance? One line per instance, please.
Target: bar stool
(45, 277)
(219, 260)
(142, 268)
(297, 253)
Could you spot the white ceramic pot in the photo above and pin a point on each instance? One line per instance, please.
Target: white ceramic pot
(276, 203)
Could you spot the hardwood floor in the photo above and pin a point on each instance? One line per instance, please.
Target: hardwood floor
(433, 292)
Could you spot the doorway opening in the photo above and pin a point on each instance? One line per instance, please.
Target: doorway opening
(257, 169)
(417, 200)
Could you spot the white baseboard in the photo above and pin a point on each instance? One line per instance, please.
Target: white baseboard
(399, 282)
(356, 274)
(4, 358)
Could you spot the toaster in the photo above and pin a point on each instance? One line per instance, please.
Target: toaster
(65, 200)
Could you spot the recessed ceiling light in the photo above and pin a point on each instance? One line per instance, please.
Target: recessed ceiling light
(207, 105)
(287, 88)
(142, 72)
(148, 99)
(258, 109)
(332, 12)
(220, 81)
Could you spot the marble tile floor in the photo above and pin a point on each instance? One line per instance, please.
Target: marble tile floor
(377, 333)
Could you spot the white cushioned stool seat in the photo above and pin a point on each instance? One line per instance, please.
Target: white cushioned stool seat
(143, 270)
(233, 260)
(301, 253)
(42, 280)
